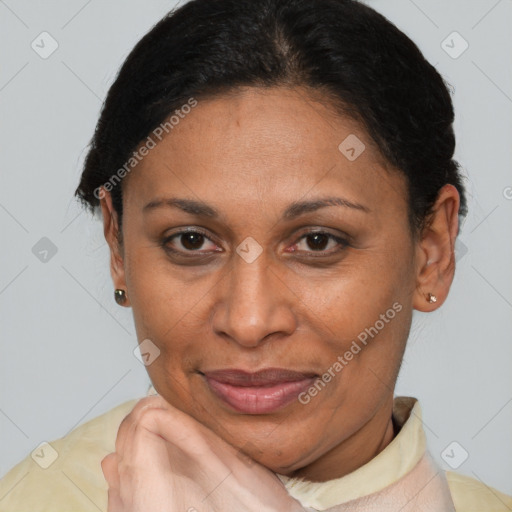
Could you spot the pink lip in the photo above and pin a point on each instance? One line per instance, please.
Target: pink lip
(262, 392)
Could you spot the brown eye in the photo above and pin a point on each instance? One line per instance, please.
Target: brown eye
(189, 241)
(320, 242)
(192, 241)
(317, 241)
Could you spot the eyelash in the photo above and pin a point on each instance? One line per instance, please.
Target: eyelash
(315, 254)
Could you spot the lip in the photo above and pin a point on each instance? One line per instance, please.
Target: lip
(262, 392)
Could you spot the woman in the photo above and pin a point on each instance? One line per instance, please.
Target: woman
(278, 194)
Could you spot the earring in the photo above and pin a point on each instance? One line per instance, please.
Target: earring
(120, 296)
(431, 298)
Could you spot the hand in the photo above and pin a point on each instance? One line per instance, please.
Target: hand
(166, 461)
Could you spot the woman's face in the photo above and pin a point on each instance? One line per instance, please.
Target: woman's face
(254, 176)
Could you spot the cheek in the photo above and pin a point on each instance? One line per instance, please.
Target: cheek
(173, 306)
(355, 296)
(365, 313)
(158, 296)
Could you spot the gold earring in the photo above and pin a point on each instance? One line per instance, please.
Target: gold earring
(431, 298)
(120, 296)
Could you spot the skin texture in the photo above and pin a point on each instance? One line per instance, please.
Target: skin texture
(250, 155)
(167, 461)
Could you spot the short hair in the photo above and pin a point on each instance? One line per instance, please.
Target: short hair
(344, 49)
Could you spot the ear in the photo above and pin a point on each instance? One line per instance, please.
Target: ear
(435, 253)
(113, 238)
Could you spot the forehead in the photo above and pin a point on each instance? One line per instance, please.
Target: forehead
(264, 146)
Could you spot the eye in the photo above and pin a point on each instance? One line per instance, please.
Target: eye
(320, 242)
(188, 241)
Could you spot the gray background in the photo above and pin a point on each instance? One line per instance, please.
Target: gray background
(66, 347)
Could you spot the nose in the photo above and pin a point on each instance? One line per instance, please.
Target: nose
(254, 304)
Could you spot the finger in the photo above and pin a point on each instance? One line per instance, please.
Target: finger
(115, 504)
(145, 470)
(176, 430)
(158, 439)
(110, 468)
(127, 425)
(156, 415)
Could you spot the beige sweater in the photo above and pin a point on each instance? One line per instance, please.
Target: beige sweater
(401, 478)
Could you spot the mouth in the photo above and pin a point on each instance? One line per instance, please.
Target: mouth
(262, 392)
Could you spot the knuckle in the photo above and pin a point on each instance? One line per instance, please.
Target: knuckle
(148, 416)
(143, 403)
(107, 463)
(138, 410)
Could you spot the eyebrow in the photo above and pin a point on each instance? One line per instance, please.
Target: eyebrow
(293, 211)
